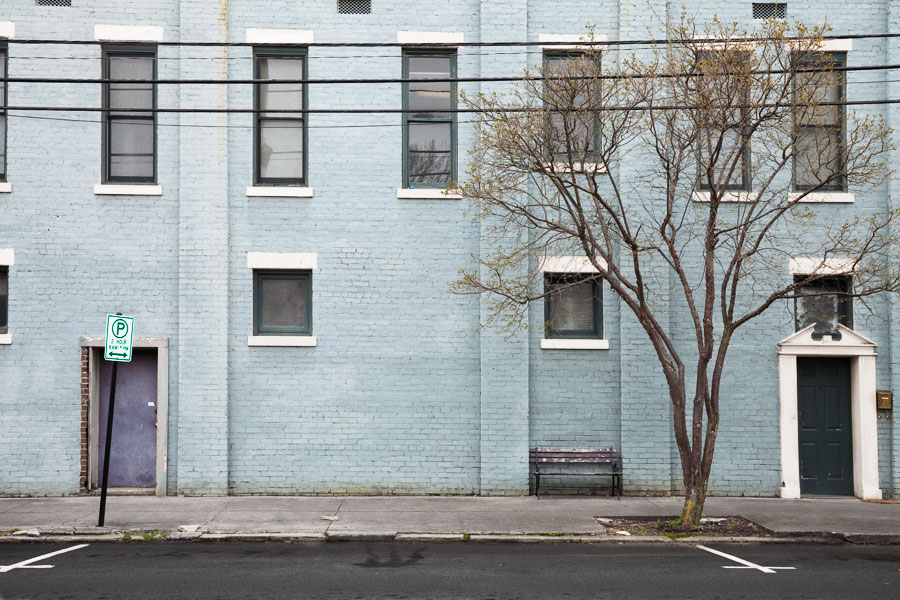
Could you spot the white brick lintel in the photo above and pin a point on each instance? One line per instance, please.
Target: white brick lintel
(568, 264)
(7, 30)
(7, 257)
(430, 37)
(128, 33)
(279, 36)
(5, 339)
(282, 260)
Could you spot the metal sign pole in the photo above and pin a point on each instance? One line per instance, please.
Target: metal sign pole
(109, 430)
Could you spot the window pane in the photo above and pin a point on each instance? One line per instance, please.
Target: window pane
(817, 157)
(573, 128)
(430, 153)
(130, 96)
(130, 147)
(822, 303)
(283, 302)
(816, 88)
(426, 98)
(281, 149)
(722, 162)
(2, 145)
(281, 96)
(4, 298)
(573, 309)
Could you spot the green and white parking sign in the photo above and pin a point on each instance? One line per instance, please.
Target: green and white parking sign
(119, 330)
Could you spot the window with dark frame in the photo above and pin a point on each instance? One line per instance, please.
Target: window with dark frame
(720, 143)
(282, 302)
(429, 131)
(129, 120)
(4, 299)
(825, 303)
(3, 73)
(573, 307)
(280, 129)
(819, 130)
(578, 129)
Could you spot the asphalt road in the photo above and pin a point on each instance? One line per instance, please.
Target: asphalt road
(484, 571)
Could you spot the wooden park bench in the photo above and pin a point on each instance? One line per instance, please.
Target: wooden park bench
(548, 457)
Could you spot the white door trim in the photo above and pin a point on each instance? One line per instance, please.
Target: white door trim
(162, 404)
(864, 425)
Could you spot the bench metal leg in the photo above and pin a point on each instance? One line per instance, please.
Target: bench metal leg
(537, 485)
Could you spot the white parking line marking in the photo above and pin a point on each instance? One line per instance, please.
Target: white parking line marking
(25, 563)
(746, 563)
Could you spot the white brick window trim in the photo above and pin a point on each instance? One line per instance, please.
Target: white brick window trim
(430, 37)
(810, 198)
(810, 265)
(574, 38)
(7, 259)
(571, 264)
(261, 191)
(5, 187)
(128, 33)
(283, 260)
(427, 194)
(116, 189)
(7, 30)
(279, 36)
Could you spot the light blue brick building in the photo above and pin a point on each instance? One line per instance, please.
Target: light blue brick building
(383, 383)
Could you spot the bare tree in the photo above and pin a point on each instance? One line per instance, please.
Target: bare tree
(738, 135)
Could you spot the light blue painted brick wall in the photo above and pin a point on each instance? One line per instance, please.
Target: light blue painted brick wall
(403, 393)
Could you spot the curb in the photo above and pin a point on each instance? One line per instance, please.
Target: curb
(806, 537)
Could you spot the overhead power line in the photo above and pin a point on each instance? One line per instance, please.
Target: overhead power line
(382, 80)
(643, 42)
(363, 111)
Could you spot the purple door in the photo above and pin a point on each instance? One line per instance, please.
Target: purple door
(133, 456)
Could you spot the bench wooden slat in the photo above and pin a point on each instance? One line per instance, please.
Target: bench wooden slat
(576, 456)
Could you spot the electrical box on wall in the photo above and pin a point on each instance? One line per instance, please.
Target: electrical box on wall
(884, 399)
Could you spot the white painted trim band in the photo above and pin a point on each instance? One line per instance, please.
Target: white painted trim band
(574, 344)
(430, 37)
(7, 257)
(279, 191)
(571, 37)
(5, 187)
(7, 30)
(107, 189)
(283, 341)
(279, 36)
(822, 197)
(426, 194)
(128, 33)
(568, 264)
(807, 265)
(282, 260)
(5, 339)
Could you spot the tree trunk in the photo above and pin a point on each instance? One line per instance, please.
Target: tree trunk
(694, 498)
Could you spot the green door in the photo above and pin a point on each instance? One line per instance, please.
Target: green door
(826, 453)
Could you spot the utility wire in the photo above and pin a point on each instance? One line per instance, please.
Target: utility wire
(856, 36)
(382, 80)
(362, 111)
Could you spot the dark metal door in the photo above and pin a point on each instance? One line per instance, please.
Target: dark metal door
(132, 461)
(826, 452)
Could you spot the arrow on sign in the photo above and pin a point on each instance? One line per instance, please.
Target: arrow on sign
(122, 354)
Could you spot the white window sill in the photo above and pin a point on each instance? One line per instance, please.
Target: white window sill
(272, 191)
(574, 344)
(5, 187)
(561, 167)
(298, 341)
(5, 339)
(426, 194)
(817, 197)
(726, 197)
(110, 189)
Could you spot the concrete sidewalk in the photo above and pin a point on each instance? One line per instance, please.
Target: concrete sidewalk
(425, 517)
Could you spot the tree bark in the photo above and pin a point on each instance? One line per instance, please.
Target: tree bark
(694, 499)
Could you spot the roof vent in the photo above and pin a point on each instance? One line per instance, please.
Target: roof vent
(354, 7)
(769, 10)
(53, 2)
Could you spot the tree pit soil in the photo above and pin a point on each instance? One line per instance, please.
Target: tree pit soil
(672, 527)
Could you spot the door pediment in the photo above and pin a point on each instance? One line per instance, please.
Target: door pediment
(850, 344)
